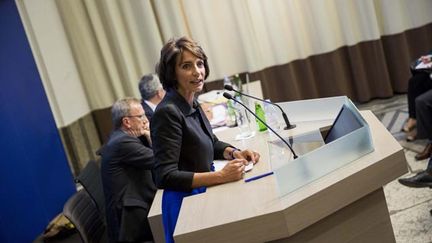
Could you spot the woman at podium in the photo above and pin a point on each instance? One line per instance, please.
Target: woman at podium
(183, 142)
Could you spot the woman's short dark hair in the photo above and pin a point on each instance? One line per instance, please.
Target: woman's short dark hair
(169, 53)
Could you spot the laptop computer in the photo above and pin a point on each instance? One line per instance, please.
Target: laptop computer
(344, 123)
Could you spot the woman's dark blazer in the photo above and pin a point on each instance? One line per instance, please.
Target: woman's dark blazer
(183, 142)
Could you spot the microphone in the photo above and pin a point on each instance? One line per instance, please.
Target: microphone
(288, 124)
(229, 96)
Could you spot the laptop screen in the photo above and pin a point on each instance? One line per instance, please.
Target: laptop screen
(344, 123)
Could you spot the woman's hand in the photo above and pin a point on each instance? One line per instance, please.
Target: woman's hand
(247, 154)
(234, 170)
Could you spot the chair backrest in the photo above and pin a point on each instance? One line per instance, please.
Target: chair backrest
(81, 210)
(91, 179)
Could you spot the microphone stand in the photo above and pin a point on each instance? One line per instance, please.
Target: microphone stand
(229, 96)
(285, 117)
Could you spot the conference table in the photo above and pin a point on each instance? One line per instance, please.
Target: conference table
(346, 205)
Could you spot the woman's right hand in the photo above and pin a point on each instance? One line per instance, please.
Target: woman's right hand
(234, 170)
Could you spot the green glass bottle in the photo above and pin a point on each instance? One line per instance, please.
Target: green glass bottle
(259, 111)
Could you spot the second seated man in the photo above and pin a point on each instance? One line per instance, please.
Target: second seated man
(152, 93)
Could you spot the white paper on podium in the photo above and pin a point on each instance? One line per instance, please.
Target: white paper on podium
(219, 164)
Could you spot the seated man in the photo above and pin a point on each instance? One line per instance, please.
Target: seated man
(152, 93)
(126, 173)
(424, 122)
(418, 84)
(424, 128)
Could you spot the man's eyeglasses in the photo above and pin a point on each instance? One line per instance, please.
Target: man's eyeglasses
(142, 117)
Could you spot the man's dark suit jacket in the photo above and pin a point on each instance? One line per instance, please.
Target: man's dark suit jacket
(183, 142)
(128, 187)
(147, 109)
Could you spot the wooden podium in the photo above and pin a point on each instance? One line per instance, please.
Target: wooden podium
(346, 205)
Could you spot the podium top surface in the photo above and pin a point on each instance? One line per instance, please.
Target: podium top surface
(254, 211)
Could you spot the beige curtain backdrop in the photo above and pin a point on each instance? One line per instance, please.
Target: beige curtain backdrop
(116, 41)
(297, 48)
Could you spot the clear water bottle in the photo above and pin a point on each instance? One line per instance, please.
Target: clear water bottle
(230, 111)
(237, 83)
(228, 80)
(272, 118)
(231, 120)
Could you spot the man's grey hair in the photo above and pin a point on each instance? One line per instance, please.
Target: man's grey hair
(149, 86)
(121, 108)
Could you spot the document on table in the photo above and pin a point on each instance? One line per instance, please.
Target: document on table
(219, 164)
(423, 65)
